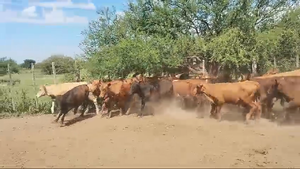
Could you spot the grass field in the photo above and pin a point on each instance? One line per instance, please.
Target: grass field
(24, 92)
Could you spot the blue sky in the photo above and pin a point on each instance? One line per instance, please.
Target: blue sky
(36, 29)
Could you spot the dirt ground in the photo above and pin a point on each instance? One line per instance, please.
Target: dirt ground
(171, 138)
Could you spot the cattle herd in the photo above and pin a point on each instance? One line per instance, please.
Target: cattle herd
(255, 94)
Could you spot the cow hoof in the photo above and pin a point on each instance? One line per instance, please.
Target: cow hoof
(62, 125)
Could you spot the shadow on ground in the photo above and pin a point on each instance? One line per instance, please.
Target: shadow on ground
(78, 119)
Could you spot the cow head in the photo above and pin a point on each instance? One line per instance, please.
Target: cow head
(94, 85)
(42, 91)
(104, 90)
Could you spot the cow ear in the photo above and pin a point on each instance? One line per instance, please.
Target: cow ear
(108, 85)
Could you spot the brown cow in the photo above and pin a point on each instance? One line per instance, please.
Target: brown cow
(122, 91)
(240, 93)
(184, 89)
(288, 88)
(115, 91)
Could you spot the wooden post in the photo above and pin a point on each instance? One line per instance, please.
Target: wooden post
(254, 66)
(10, 86)
(203, 67)
(54, 72)
(274, 62)
(34, 84)
(297, 60)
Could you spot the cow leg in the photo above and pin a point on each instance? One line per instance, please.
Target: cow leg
(58, 116)
(104, 109)
(143, 103)
(96, 105)
(218, 112)
(269, 107)
(83, 113)
(212, 110)
(75, 110)
(122, 108)
(94, 100)
(258, 111)
(87, 109)
(132, 102)
(109, 114)
(52, 106)
(253, 108)
(63, 119)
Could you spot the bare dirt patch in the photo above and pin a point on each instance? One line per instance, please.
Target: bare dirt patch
(174, 138)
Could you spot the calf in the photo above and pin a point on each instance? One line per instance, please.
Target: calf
(75, 97)
(241, 93)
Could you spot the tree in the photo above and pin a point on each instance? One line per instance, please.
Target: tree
(63, 64)
(14, 67)
(154, 35)
(27, 63)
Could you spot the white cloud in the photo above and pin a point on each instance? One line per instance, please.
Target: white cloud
(66, 4)
(55, 16)
(29, 12)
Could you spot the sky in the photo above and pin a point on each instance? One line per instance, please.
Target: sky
(37, 29)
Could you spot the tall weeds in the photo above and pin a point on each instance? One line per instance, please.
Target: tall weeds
(23, 104)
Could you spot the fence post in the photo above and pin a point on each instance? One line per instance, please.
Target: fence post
(274, 62)
(54, 72)
(34, 84)
(254, 66)
(203, 67)
(297, 60)
(10, 86)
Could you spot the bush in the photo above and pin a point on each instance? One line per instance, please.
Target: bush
(63, 64)
(23, 105)
(14, 67)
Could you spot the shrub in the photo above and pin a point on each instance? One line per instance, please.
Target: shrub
(23, 105)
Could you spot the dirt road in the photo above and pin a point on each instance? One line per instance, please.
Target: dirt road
(170, 139)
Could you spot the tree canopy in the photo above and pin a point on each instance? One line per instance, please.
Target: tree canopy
(155, 35)
(27, 63)
(63, 64)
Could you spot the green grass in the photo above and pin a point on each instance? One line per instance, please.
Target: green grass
(24, 93)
